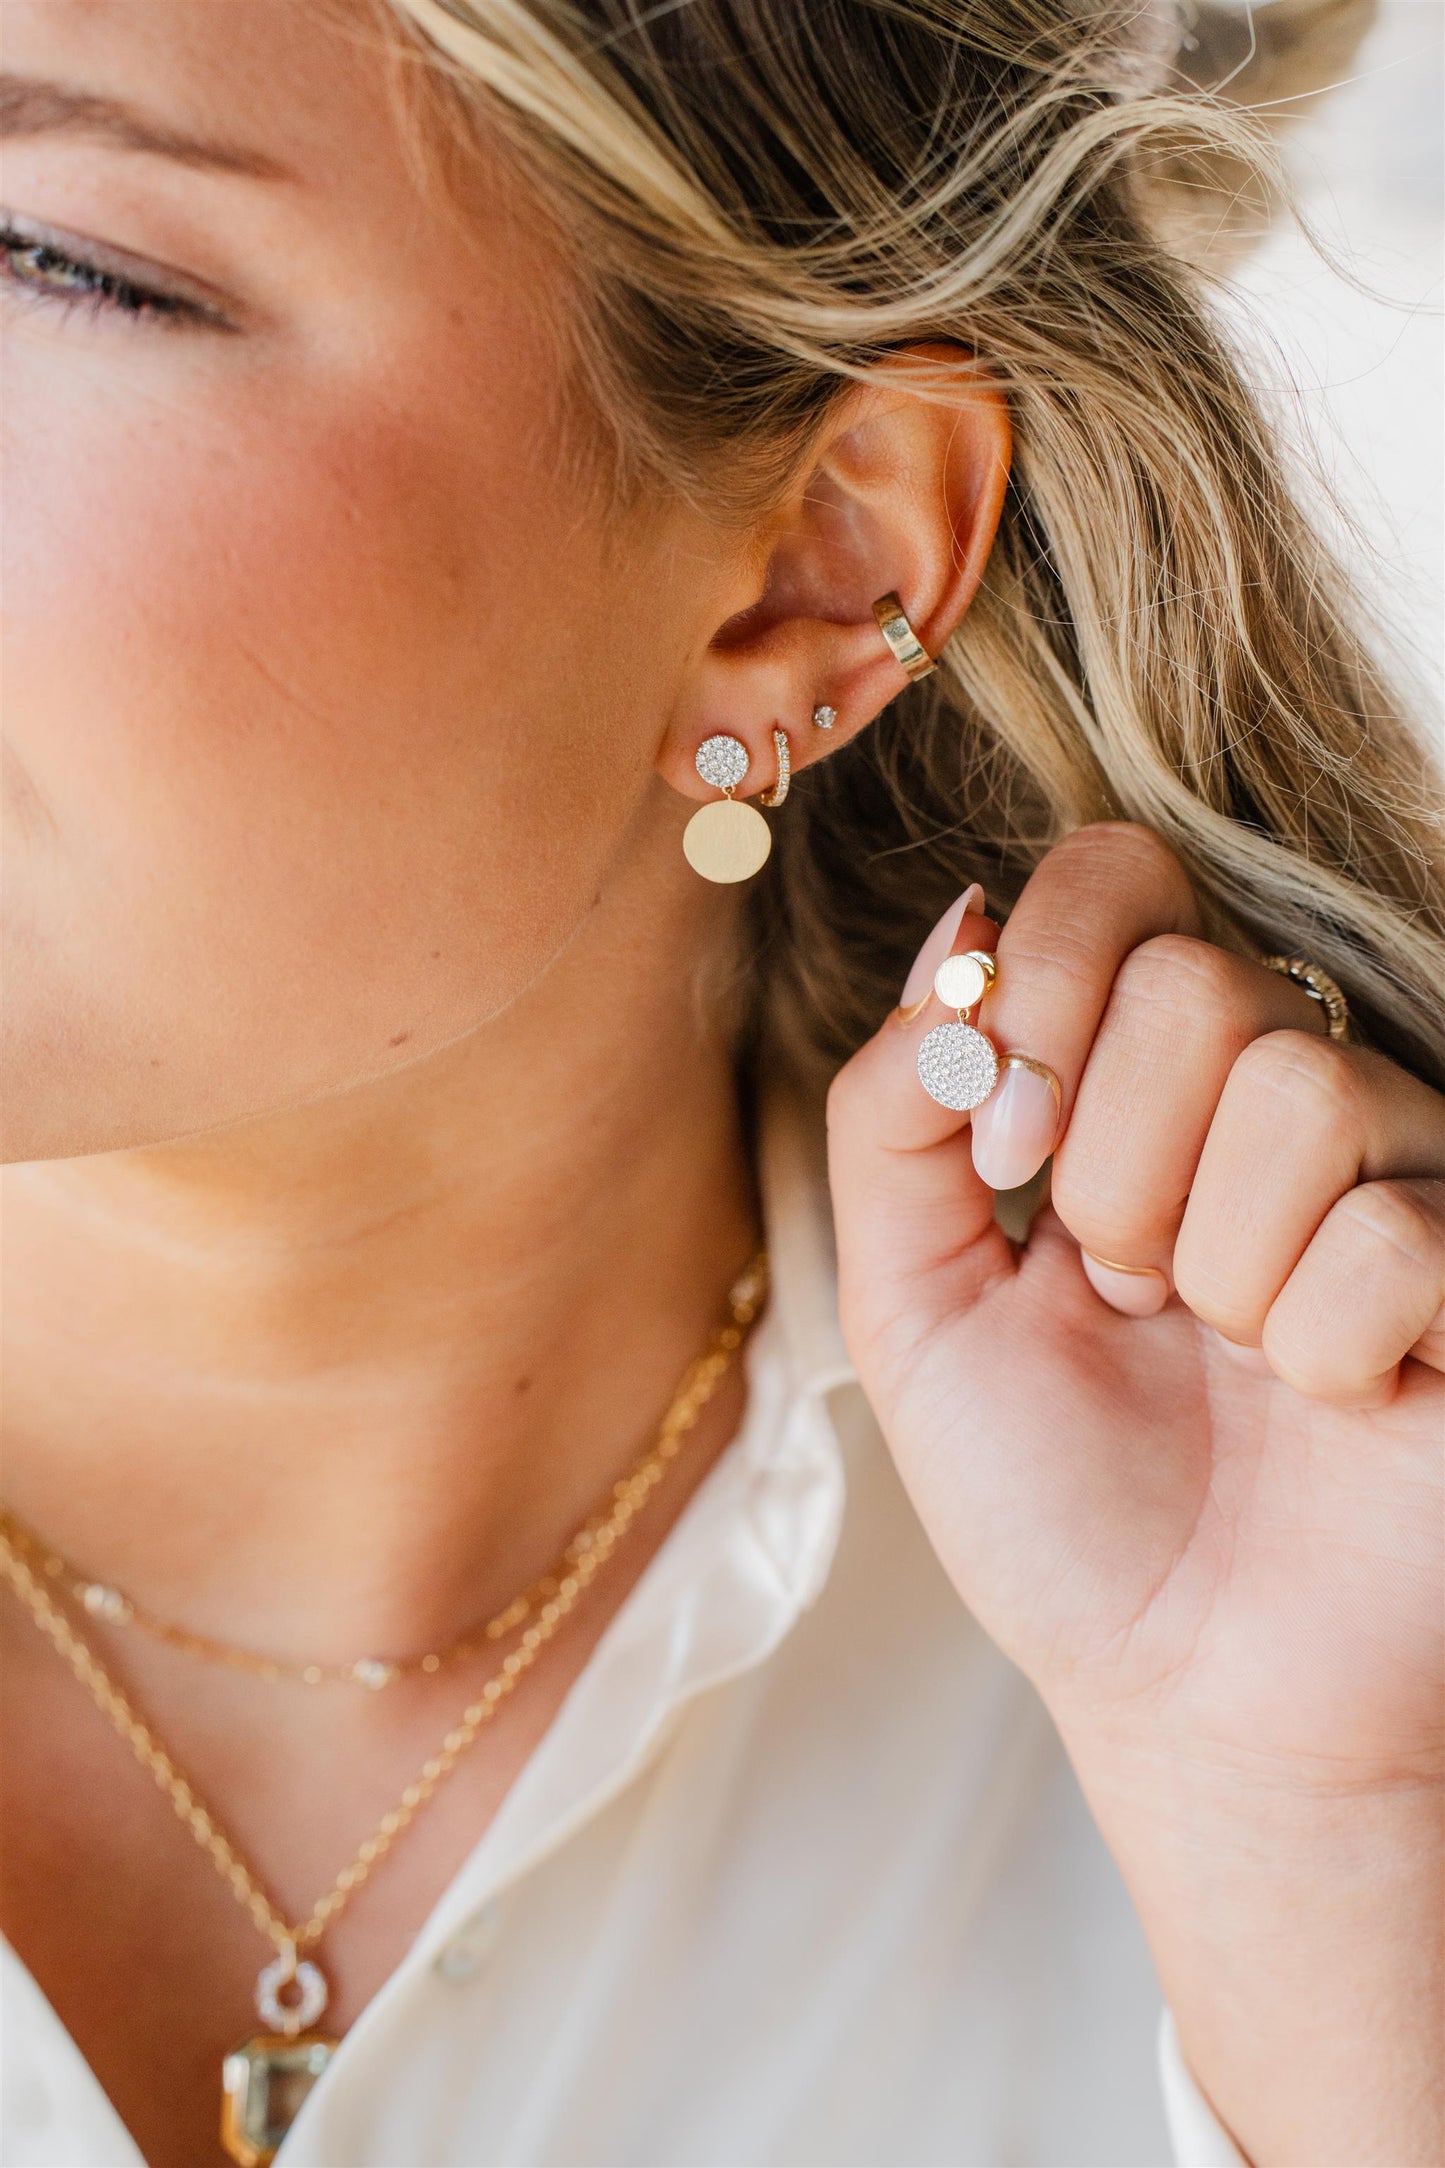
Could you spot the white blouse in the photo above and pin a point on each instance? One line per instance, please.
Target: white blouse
(799, 1874)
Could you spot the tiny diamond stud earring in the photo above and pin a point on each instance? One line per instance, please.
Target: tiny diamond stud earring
(727, 840)
(824, 716)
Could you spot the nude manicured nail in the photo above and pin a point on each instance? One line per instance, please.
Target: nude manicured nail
(1140, 1292)
(1014, 1131)
(920, 979)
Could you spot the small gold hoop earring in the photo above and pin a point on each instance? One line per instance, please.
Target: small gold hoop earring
(727, 840)
(908, 649)
(779, 791)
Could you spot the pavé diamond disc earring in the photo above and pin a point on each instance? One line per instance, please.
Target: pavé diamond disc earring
(725, 841)
(957, 1063)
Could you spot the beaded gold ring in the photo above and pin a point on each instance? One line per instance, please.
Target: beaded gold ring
(1320, 987)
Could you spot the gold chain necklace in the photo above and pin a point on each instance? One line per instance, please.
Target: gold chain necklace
(101, 1600)
(265, 2079)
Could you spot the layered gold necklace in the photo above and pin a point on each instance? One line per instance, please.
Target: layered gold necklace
(265, 2079)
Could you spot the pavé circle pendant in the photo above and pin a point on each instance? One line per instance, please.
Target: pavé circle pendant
(958, 1066)
(265, 2080)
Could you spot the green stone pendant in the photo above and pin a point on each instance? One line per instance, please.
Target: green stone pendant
(264, 2082)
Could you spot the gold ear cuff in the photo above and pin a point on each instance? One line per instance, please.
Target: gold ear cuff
(908, 649)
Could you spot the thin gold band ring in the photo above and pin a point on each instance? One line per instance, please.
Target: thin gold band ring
(1137, 1272)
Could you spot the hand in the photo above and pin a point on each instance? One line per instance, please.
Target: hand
(1211, 1535)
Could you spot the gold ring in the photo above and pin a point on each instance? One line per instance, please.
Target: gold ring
(1137, 1272)
(1319, 986)
(907, 648)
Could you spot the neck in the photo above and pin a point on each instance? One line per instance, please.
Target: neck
(347, 1378)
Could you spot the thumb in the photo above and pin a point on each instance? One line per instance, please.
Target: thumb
(915, 1222)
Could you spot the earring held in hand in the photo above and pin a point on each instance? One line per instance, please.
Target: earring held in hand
(726, 841)
(957, 1063)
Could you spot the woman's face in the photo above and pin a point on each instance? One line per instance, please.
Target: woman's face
(330, 698)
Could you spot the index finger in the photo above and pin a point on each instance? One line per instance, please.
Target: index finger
(904, 1167)
(1094, 899)
(907, 1202)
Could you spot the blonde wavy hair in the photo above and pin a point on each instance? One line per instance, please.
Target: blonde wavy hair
(761, 200)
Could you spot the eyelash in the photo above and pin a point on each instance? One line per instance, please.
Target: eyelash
(33, 264)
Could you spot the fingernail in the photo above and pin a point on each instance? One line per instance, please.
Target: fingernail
(1137, 1291)
(1014, 1131)
(937, 946)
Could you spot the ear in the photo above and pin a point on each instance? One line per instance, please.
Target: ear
(902, 493)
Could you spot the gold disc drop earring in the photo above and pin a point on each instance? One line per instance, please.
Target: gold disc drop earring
(725, 841)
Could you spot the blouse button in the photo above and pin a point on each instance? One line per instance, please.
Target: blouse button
(461, 1957)
(457, 1962)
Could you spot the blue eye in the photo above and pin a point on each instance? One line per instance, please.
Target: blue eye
(47, 272)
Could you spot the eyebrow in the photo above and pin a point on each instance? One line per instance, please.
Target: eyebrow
(30, 106)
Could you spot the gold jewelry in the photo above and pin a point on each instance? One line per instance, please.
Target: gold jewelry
(960, 981)
(907, 648)
(725, 841)
(1320, 987)
(784, 751)
(101, 1601)
(289, 2057)
(1135, 1272)
(958, 1065)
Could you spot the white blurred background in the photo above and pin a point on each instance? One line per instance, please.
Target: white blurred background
(1368, 374)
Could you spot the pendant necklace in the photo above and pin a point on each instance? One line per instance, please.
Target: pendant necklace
(265, 2079)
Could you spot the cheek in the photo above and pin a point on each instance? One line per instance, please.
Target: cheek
(299, 763)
